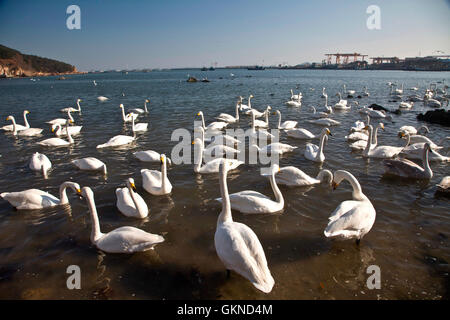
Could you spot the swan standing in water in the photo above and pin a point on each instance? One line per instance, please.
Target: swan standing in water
(352, 219)
(119, 140)
(61, 121)
(314, 152)
(139, 110)
(32, 199)
(90, 164)
(30, 132)
(249, 201)
(286, 125)
(10, 127)
(381, 152)
(73, 109)
(229, 118)
(150, 156)
(213, 165)
(408, 169)
(292, 176)
(129, 117)
(237, 245)
(129, 202)
(120, 240)
(156, 182)
(58, 142)
(40, 162)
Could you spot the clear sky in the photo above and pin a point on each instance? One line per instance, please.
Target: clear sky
(191, 33)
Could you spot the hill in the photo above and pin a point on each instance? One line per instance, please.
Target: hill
(15, 64)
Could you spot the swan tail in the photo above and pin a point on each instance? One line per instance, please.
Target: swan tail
(266, 286)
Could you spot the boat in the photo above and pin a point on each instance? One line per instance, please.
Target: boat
(256, 68)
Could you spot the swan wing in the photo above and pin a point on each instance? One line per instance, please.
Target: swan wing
(239, 249)
(128, 240)
(294, 177)
(30, 199)
(403, 168)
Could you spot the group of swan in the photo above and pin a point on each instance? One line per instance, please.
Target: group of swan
(26, 132)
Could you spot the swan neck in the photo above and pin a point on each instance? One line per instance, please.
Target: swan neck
(237, 111)
(95, 232)
(369, 142)
(225, 214)
(279, 120)
(375, 137)
(199, 157)
(322, 142)
(164, 175)
(276, 191)
(63, 193)
(357, 191)
(25, 120)
(68, 132)
(425, 162)
(79, 107)
(14, 126)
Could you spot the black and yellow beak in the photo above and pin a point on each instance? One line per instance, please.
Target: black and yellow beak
(133, 187)
(334, 185)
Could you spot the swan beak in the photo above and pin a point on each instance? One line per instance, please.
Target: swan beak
(198, 113)
(335, 185)
(133, 187)
(193, 142)
(274, 113)
(53, 129)
(27, 112)
(79, 191)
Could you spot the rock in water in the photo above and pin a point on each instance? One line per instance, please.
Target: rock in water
(439, 116)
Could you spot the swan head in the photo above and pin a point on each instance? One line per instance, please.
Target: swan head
(326, 132)
(121, 105)
(10, 118)
(26, 112)
(79, 100)
(130, 183)
(251, 96)
(381, 125)
(200, 113)
(338, 176)
(163, 159)
(147, 100)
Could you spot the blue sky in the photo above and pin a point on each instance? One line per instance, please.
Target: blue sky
(159, 34)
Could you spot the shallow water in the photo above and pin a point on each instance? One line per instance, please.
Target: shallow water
(409, 240)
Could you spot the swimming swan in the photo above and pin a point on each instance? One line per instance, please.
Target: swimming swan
(213, 165)
(150, 156)
(32, 199)
(229, 118)
(314, 152)
(249, 201)
(352, 219)
(408, 169)
(19, 127)
(90, 164)
(286, 125)
(156, 182)
(237, 245)
(73, 109)
(40, 162)
(292, 176)
(139, 110)
(119, 140)
(129, 202)
(58, 142)
(29, 132)
(120, 240)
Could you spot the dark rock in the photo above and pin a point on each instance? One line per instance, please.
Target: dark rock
(439, 116)
(192, 79)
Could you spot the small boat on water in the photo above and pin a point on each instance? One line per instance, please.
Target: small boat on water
(192, 79)
(256, 68)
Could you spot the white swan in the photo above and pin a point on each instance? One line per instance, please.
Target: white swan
(408, 169)
(349, 92)
(324, 94)
(216, 125)
(325, 122)
(260, 123)
(156, 182)
(30, 132)
(74, 130)
(314, 152)
(366, 93)
(129, 117)
(237, 245)
(139, 110)
(253, 202)
(362, 143)
(58, 142)
(421, 139)
(40, 162)
(320, 114)
(257, 113)
(90, 164)
(213, 165)
(298, 96)
(229, 118)
(444, 185)
(102, 98)
(295, 102)
(381, 152)
(119, 140)
(73, 109)
(139, 127)
(352, 219)
(406, 105)
(129, 202)
(32, 199)
(260, 133)
(216, 149)
(292, 176)
(244, 107)
(275, 148)
(120, 240)
(415, 151)
(411, 130)
(10, 127)
(61, 121)
(342, 102)
(286, 125)
(150, 156)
